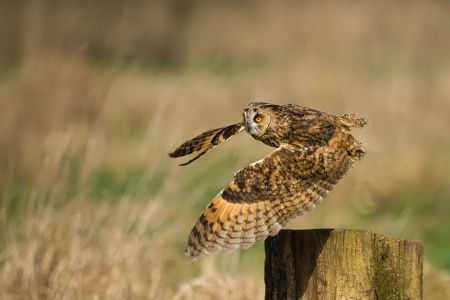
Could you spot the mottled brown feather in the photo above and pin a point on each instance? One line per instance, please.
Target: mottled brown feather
(314, 151)
(206, 141)
(243, 213)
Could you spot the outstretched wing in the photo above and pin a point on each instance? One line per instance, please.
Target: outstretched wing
(206, 141)
(264, 196)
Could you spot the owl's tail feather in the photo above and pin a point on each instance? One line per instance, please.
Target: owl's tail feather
(349, 121)
(206, 141)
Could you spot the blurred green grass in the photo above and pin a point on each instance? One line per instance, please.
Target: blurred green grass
(110, 184)
(421, 213)
(93, 98)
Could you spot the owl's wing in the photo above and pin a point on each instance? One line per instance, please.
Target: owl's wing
(206, 141)
(264, 196)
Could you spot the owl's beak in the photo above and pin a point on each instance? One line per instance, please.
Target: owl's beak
(247, 128)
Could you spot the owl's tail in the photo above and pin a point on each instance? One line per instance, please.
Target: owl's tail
(349, 121)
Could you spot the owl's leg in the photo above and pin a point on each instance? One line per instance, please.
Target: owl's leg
(356, 150)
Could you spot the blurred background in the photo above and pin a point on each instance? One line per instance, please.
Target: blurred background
(94, 94)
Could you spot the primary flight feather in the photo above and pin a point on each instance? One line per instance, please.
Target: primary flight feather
(314, 150)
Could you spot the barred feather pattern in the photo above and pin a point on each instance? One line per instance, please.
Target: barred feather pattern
(264, 197)
(206, 141)
(314, 150)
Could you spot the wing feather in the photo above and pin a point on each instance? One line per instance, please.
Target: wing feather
(206, 141)
(264, 197)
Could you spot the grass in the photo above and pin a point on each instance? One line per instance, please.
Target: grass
(424, 206)
(91, 205)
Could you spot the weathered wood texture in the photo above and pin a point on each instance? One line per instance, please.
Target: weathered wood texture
(342, 264)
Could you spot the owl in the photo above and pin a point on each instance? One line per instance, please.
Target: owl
(314, 150)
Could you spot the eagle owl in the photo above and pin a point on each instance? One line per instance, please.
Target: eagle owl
(313, 152)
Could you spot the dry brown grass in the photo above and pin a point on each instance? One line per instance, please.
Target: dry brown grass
(91, 206)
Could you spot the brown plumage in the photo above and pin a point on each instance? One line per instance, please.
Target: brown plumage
(314, 151)
(206, 141)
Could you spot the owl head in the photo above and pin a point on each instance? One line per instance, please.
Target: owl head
(257, 118)
(263, 121)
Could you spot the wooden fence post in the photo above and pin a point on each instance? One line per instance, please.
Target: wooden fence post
(342, 264)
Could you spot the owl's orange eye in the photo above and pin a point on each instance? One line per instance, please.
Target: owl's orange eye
(258, 119)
